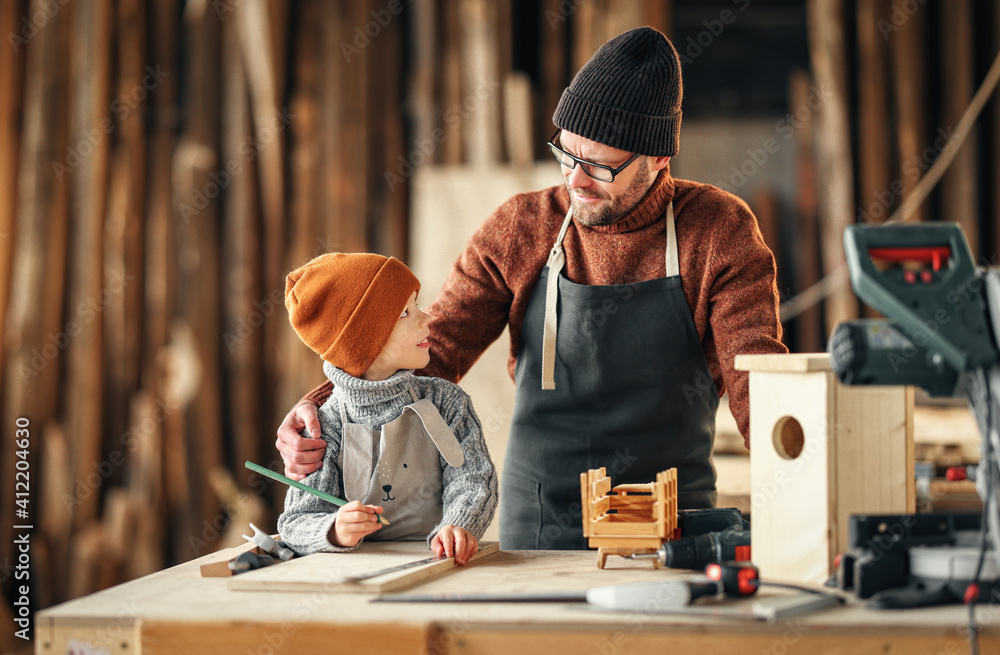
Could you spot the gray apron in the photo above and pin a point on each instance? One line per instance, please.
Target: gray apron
(399, 467)
(607, 375)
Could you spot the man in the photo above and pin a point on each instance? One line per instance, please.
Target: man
(628, 294)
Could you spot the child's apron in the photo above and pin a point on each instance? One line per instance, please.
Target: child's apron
(399, 468)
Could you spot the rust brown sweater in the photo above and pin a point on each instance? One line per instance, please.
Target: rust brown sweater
(727, 273)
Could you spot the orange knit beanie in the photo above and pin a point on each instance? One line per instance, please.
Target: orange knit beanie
(345, 306)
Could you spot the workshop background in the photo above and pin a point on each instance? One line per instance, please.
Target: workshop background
(164, 163)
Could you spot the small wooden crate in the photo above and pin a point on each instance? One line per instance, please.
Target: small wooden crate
(629, 518)
(819, 452)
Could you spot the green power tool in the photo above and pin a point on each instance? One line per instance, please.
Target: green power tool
(941, 333)
(938, 304)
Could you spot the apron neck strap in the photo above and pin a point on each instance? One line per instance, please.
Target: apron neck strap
(343, 414)
(673, 265)
(556, 260)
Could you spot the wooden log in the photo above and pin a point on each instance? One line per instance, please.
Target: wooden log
(554, 71)
(827, 52)
(11, 98)
(423, 80)
(344, 224)
(34, 314)
(124, 229)
(584, 20)
(481, 85)
(389, 207)
(517, 119)
(146, 499)
(256, 47)
(157, 461)
(811, 336)
(299, 366)
(159, 283)
(198, 281)
(90, 293)
(659, 15)
(55, 497)
(11, 104)
(959, 186)
(247, 305)
(452, 93)
(876, 196)
(908, 49)
(765, 208)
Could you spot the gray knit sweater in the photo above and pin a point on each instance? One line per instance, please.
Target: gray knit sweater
(469, 497)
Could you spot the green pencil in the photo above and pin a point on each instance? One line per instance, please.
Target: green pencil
(304, 487)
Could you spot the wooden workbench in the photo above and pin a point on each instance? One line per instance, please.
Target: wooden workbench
(178, 611)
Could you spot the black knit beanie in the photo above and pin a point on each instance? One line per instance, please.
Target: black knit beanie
(628, 96)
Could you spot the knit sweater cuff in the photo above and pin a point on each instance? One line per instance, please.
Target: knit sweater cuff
(320, 394)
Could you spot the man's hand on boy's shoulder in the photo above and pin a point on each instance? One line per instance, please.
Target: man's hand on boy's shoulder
(354, 522)
(301, 455)
(455, 542)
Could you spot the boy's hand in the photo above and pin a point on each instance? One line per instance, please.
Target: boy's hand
(457, 542)
(301, 456)
(354, 522)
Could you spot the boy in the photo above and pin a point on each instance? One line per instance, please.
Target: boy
(412, 444)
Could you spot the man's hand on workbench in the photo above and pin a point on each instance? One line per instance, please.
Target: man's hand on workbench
(455, 542)
(301, 456)
(354, 522)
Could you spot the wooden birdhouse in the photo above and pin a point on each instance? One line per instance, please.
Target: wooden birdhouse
(819, 452)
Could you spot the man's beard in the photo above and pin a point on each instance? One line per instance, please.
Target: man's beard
(607, 213)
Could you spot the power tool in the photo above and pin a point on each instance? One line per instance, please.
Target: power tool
(941, 334)
(719, 534)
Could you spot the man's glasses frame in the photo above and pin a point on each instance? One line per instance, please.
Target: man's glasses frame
(599, 172)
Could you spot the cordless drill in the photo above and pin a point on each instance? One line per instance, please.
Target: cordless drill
(730, 545)
(711, 536)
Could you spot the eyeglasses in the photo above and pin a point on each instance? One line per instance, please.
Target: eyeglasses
(599, 172)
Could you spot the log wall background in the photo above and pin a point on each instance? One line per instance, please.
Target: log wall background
(164, 163)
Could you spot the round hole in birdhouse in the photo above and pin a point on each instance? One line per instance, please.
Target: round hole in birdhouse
(788, 437)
